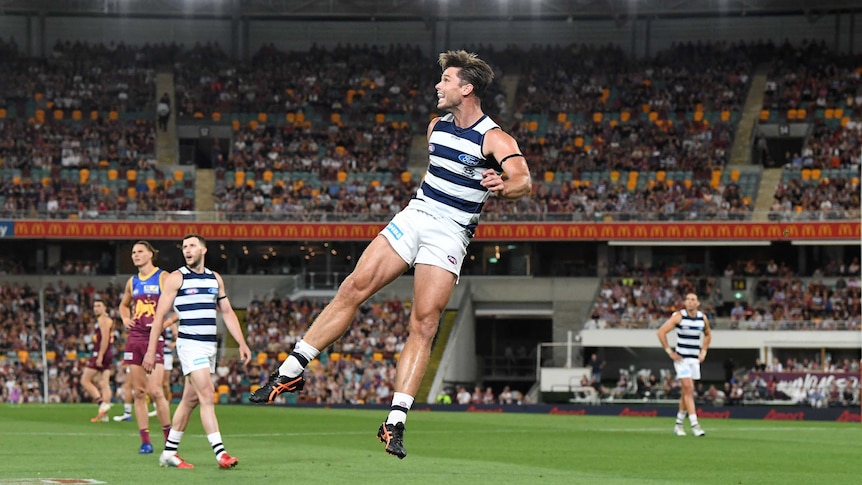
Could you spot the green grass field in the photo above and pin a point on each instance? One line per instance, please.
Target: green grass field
(291, 445)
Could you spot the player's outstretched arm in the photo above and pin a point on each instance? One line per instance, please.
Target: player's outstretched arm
(518, 181)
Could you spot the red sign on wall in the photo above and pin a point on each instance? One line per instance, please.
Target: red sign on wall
(574, 231)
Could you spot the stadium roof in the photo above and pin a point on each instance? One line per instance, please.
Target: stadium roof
(428, 9)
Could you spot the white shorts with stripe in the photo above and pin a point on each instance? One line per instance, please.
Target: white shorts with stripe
(196, 355)
(688, 368)
(419, 237)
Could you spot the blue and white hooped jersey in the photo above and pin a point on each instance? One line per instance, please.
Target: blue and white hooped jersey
(195, 305)
(688, 332)
(452, 185)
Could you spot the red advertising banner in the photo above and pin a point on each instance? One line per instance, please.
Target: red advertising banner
(345, 231)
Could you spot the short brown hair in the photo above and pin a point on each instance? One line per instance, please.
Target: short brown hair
(474, 71)
(199, 238)
(149, 247)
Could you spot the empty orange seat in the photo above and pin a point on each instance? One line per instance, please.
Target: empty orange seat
(216, 116)
(734, 175)
(261, 117)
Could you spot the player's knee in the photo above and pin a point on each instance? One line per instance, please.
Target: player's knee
(156, 392)
(424, 326)
(354, 289)
(139, 393)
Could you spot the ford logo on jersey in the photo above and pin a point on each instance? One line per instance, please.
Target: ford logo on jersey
(468, 159)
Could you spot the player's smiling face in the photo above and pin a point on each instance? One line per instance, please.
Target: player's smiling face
(449, 89)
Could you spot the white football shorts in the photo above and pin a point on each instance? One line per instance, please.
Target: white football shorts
(196, 355)
(688, 368)
(421, 238)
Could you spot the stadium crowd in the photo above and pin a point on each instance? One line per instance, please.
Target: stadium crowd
(607, 137)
